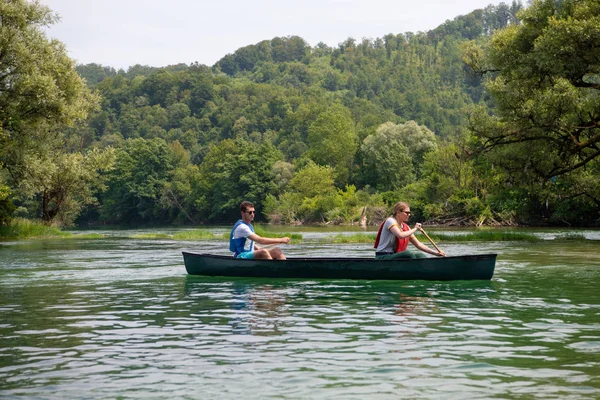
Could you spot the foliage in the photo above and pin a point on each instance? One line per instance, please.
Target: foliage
(196, 234)
(19, 228)
(6, 205)
(263, 231)
(355, 238)
(136, 182)
(498, 236)
(332, 141)
(40, 94)
(65, 182)
(234, 171)
(544, 81)
(312, 197)
(394, 154)
(313, 134)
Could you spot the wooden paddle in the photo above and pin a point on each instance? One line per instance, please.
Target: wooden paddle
(432, 242)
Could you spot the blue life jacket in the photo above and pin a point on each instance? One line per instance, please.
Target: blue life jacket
(237, 245)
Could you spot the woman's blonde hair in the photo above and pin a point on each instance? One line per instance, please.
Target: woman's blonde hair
(400, 206)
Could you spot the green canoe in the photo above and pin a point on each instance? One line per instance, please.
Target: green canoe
(439, 268)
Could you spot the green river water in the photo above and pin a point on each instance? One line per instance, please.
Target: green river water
(118, 318)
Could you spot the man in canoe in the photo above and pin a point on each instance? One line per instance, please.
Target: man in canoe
(394, 235)
(242, 238)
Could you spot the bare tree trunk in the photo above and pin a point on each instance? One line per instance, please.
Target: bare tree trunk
(363, 218)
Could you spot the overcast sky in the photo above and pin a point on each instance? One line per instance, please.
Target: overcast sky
(122, 33)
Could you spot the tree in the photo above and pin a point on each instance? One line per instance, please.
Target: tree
(38, 81)
(394, 154)
(66, 182)
(234, 171)
(6, 205)
(177, 195)
(333, 141)
(40, 94)
(545, 83)
(387, 162)
(544, 78)
(310, 197)
(135, 185)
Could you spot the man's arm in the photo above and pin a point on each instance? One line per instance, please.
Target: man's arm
(267, 241)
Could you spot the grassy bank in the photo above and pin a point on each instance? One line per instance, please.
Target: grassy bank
(20, 228)
(26, 229)
(204, 234)
(484, 236)
(196, 234)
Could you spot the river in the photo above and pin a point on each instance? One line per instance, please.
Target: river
(119, 318)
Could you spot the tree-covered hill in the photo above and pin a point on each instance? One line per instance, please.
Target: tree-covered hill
(309, 134)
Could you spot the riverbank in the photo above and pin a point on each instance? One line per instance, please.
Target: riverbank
(22, 229)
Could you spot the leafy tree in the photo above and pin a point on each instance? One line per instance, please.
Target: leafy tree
(387, 161)
(40, 94)
(7, 206)
(394, 154)
(234, 171)
(333, 141)
(94, 73)
(177, 195)
(545, 87)
(135, 185)
(38, 81)
(310, 198)
(546, 91)
(65, 182)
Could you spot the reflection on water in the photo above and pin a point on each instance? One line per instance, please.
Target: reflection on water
(119, 318)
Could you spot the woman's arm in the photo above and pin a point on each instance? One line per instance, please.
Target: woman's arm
(399, 233)
(417, 243)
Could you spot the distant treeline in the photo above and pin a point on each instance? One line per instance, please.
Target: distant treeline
(316, 134)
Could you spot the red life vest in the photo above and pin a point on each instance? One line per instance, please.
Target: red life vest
(401, 244)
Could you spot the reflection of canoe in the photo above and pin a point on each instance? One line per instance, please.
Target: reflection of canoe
(438, 268)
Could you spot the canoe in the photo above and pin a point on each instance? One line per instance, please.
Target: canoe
(469, 267)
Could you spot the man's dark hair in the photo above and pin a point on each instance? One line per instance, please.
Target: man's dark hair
(245, 204)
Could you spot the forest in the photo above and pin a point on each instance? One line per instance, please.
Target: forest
(492, 118)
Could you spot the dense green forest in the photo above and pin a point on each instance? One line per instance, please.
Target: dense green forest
(493, 118)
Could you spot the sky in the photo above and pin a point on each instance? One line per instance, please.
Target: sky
(122, 33)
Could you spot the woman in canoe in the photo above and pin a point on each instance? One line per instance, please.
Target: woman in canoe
(394, 235)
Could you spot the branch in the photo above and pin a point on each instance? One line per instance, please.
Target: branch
(573, 167)
(169, 191)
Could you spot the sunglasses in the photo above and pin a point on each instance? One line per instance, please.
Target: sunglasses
(406, 212)
(249, 212)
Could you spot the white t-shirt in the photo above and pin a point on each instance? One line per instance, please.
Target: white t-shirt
(387, 240)
(243, 231)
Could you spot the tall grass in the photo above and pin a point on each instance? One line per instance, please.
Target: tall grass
(151, 236)
(20, 228)
(196, 234)
(260, 231)
(88, 236)
(484, 236)
(354, 238)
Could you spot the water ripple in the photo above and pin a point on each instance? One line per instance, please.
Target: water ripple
(127, 322)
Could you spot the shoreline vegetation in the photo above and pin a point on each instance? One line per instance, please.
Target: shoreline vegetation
(21, 229)
(458, 121)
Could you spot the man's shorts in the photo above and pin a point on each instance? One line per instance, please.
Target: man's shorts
(247, 255)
